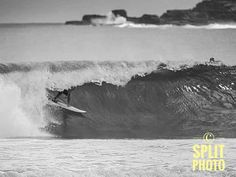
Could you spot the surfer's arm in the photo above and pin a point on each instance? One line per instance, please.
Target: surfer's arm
(68, 99)
(58, 94)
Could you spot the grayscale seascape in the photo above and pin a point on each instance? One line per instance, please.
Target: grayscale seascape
(114, 97)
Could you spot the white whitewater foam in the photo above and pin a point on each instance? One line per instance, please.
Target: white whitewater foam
(16, 121)
(106, 158)
(210, 26)
(133, 25)
(116, 73)
(110, 19)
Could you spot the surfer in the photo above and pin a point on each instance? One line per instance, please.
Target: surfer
(212, 60)
(65, 92)
(55, 101)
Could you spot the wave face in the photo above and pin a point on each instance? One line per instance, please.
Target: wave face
(123, 99)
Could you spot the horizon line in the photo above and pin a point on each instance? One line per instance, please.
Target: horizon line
(28, 23)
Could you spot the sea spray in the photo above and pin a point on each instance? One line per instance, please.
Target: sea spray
(13, 120)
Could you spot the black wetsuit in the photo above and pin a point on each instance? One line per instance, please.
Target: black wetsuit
(65, 92)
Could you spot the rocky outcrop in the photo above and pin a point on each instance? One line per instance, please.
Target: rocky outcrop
(116, 16)
(217, 10)
(205, 12)
(88, 19)
(120, 12)
(112, 18)
(75, 22)
(145, 19)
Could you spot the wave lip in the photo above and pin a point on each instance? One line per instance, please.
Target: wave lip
(66, 74)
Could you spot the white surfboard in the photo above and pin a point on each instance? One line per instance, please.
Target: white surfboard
(63, 105)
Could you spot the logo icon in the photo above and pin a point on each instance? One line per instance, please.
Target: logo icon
(208, 137)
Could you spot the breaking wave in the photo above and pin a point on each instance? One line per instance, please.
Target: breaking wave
(209, 27)
(213, 26)
(148, 99)
(133, 25)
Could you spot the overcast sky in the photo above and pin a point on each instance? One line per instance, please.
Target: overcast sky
(26, 11)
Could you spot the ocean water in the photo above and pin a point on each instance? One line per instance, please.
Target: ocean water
(58, 157)
(65, 42)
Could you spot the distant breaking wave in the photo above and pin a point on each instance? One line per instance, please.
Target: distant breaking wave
(210, 26)
(133, 25)
(213, 26)
(148, 99)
